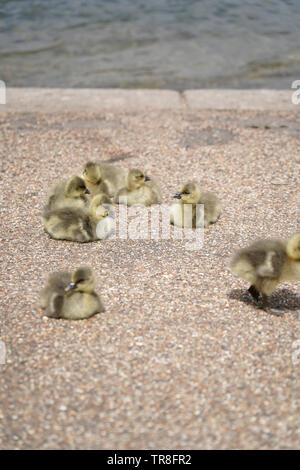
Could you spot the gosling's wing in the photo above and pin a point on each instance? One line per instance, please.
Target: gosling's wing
(99, 305)
(264, 257)
(156, 191)
(113, 177)
(68, 214)
(111, 171)
(59, 280)
(120, 195)
(55, 306)
(212, 205)
(56, 193)
(56, 284)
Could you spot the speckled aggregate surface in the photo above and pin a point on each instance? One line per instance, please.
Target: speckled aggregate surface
(182, 358)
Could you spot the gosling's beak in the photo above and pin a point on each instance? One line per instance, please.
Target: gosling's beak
(147, 178)
(110, 212)
(177, 195)
(87, 191)
(71, 286)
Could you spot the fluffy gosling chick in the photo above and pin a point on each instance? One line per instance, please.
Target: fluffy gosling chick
(69, 193)
(77, 224)
(103, 178)
(71, 296)
(139, 189)
(191, 194)
(266, 263)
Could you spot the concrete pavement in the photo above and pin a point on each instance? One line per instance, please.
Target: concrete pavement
(182, 358)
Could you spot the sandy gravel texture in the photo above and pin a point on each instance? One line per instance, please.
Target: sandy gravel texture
(182, 358)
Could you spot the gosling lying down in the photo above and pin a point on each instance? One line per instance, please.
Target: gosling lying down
(79, 224)
(69, 193)
(139, 189)
(103, 178)
(71, 296)
(190, 196)
(266, 263)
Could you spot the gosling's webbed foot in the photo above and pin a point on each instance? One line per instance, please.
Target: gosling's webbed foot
(272, 311)
(276, 311)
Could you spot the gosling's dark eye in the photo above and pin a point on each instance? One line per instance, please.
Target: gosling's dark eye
(185, 192)
(80, 280)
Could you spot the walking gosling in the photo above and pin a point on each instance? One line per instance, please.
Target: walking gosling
(139, 189)
(192, 195)
(103, 178)
(266, 263)
(80, 225)
(69, 193)
(71, 296)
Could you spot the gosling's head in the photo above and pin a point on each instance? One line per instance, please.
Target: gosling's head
(293, 247)
(76, 187)
(92, 173)
(83, 280)
(136, 178)
(189, 194)
(102, 198)
(97, 209)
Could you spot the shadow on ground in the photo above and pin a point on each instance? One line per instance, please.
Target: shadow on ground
(283, 299)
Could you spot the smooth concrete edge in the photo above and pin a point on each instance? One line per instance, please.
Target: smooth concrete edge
(74, 99)
(240, 99)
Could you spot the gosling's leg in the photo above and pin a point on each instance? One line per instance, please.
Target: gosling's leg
(265, 302)
(254, 292)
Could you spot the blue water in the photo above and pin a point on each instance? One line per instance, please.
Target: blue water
(154, 44)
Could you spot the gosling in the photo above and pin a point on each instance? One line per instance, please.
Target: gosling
(103, 178)
(190, 194)
(69, 193)
(266, 263)
(139, 189)
(102, 217)
(80, 225)
(71, 296)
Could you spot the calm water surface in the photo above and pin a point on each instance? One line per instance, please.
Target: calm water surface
(154, 44)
